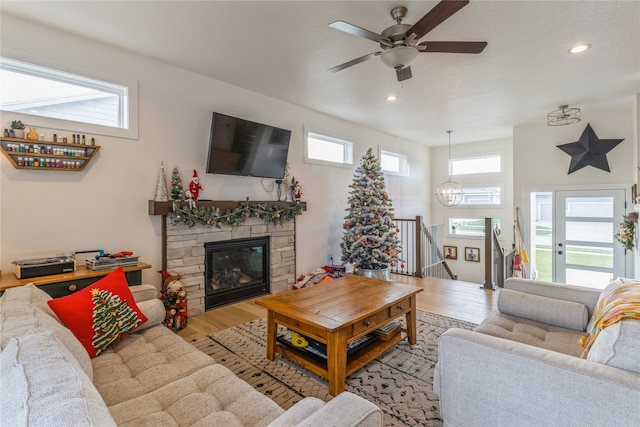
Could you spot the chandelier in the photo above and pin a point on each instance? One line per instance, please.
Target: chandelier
(449, 193)
(563, 116)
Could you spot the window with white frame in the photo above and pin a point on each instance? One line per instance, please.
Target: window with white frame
(327, 150)
(469, 226)
(482, 196)
(64, 99)
(393, 162)
(486, 164)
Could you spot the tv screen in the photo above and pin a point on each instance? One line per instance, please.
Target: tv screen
(246, 148)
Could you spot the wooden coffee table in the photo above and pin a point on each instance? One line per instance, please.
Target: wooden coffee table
(336, 313)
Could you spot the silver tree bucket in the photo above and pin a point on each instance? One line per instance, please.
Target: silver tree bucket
(381, 274)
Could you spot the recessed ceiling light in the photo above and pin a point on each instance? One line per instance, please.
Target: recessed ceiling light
(392, 98)
(581, 47)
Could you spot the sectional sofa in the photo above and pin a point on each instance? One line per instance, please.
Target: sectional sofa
(150, 378)
(523, 364)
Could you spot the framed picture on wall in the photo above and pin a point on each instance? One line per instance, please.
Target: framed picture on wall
(450, 252)
(472, 254)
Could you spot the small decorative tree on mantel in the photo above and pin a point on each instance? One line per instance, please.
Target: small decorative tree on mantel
(370, 240)
(176, 185)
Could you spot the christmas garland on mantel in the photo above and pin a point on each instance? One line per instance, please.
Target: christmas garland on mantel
(213, 217)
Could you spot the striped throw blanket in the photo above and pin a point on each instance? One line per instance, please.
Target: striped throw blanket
(616, 303)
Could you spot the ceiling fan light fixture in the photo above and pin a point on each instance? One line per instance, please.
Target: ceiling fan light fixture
(399, 57)
(563, 116)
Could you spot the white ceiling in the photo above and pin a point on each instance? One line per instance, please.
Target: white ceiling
(283, 49)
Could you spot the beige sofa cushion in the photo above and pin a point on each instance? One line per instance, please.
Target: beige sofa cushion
(551, 311)
(144, 361)
(42, 385)
(154, 311)
(618, 345)
(211, 396)
(144, 292)
(24, 310)
(533, 333)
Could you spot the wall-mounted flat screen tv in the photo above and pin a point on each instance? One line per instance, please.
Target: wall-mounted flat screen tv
(242, 147)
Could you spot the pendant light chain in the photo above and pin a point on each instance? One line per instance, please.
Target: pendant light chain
(449, 160)
(449, 193)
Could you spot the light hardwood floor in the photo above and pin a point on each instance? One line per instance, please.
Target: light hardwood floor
(452, 298)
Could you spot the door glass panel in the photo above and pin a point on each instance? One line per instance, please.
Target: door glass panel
(542, 232)
(582, 231)
(589, 256)
(591, 279)
(589, 207)
(584, 247)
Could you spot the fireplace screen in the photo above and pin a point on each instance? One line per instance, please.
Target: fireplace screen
(235, 270)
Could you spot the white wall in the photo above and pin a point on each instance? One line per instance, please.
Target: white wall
(540, 166)
(105, 206)
(468, 270)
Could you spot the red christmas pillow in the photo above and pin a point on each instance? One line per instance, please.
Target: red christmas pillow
(101, 314)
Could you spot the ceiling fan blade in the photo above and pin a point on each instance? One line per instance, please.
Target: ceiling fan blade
(452, 47)
(354, 62)
(356, 31)
(404, 74)
(436, 16)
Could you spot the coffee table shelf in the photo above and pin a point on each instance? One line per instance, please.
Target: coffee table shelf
(367, 354)
(360, 358)
(320, 355)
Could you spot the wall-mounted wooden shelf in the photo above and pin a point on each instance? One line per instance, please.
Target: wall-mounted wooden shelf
(75, 156)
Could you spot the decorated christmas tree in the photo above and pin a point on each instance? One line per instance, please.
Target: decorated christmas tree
(176, 185)
(370, 238)
(112, 317)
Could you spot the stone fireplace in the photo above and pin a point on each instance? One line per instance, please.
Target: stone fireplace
(186, 252)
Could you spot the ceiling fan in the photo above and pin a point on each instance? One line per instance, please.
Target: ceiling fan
(399, 42)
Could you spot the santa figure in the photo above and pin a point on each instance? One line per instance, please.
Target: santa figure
(194, 187)
(174, 298)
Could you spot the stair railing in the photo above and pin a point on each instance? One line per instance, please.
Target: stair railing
(421, 251)
(498, 261)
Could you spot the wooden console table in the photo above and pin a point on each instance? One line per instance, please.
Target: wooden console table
(337, 313)
(60, 285)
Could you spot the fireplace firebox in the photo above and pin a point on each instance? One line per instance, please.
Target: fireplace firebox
(235, 270)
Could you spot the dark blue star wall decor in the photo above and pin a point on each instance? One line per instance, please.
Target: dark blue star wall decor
(589, 150)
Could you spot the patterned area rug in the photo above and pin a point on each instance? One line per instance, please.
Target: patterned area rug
(399, 381)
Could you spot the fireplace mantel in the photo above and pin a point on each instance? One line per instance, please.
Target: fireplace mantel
(165, 208)
(183, 246)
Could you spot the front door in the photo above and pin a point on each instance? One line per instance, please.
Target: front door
(585, 251)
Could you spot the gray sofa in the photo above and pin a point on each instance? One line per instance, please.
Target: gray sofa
(521, 366)
(151, 378)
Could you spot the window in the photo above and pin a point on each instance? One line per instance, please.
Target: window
(468, 226)
(476, 196)
(70, 101)
(489, 164)
(327, 150)
(394, 163)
